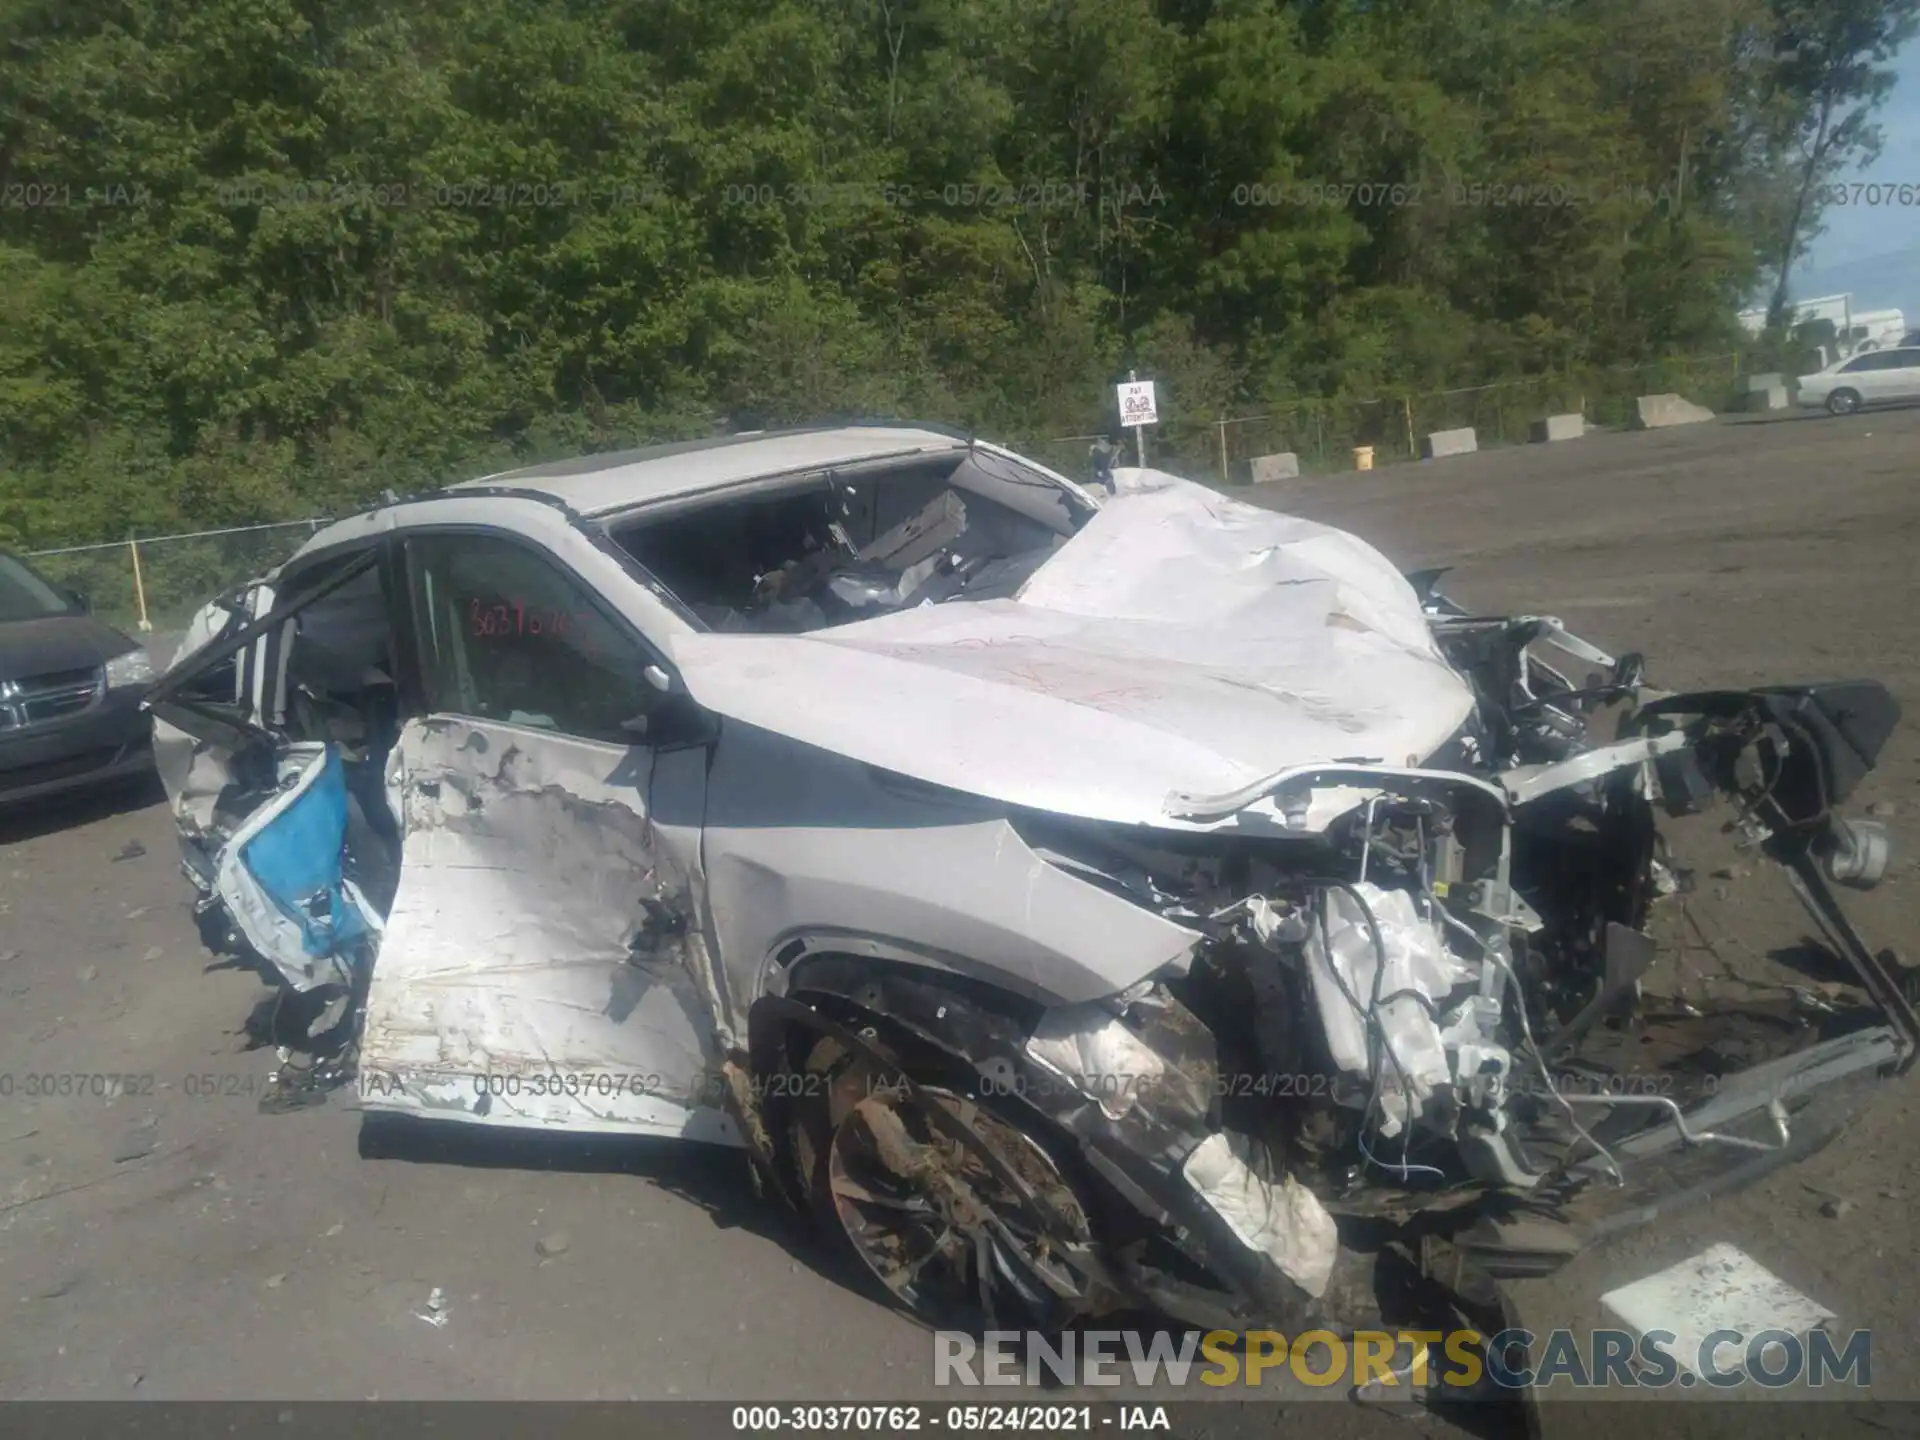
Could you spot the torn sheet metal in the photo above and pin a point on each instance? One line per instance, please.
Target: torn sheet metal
(541, 965)
(805, 846)
(280, 875)
(193, 772)
(1181, 641)
(1285, 1222)
(1420, 972)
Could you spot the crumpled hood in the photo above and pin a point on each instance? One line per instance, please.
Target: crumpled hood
(1182, 641)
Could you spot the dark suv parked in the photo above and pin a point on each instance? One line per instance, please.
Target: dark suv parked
(70, 691)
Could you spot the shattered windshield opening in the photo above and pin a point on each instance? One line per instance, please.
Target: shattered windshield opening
(834, 547)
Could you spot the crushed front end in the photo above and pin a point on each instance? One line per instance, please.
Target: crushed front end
(1443, 1022)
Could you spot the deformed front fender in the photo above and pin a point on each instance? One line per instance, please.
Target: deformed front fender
(809, 851)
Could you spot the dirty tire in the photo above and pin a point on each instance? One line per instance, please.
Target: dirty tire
(1843, 402)
(897, 1234)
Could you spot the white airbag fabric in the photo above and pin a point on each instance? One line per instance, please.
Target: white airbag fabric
(1285, 1222)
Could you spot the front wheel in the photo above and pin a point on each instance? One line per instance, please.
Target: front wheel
(929, 1208)
(1843, 402)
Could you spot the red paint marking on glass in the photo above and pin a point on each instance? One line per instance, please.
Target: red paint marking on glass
(515, 617)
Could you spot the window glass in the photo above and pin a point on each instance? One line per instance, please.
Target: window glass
(24, 595)
(506, 634)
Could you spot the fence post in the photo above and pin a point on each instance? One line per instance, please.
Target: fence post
(139, 586)
(1413, 446)
(1224, 473)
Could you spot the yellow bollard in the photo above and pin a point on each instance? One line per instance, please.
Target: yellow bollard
(1363, 457)
(139, 586)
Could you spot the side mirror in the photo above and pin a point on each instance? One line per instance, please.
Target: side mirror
(80, 601)
(658, 679)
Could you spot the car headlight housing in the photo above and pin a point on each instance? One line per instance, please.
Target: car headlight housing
(132, 668)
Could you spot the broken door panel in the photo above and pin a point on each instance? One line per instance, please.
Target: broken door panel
(281, 880)
(543, 965)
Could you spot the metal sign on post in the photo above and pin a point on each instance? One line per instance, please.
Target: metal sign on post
(1138, 409)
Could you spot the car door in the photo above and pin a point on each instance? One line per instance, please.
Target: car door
(223, 743)
(1902, 375)
(1877, 377)
(1858, 375)
(543, 963)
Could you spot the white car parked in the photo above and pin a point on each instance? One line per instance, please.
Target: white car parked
(1870, 379)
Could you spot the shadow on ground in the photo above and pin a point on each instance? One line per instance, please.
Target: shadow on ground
(717, 1179)
(31, 819)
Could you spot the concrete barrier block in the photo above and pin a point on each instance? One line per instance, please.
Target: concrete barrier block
(1656, 412)
(1773, 397)
(1557, 427)
(1283, 466)
(1442, 443)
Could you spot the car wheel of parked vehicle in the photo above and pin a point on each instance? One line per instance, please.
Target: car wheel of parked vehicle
(929, 1202)
(1843, 402)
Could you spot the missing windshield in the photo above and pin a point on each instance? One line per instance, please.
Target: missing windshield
(838, 546)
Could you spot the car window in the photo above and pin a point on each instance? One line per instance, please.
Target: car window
(25, 596)
(506, 634)
(1864, 362)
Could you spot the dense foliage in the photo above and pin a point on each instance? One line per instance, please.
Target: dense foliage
(260, 258)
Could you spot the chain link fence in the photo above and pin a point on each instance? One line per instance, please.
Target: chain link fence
(1326, 434)
(156, 582)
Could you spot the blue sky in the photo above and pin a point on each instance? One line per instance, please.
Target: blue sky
(1874, 251)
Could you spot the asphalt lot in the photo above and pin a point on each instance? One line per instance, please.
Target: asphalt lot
(178, 1243)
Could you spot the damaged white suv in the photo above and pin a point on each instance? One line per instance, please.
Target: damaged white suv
(1146, 902)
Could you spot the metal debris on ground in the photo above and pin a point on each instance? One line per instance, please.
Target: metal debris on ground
(302, 1087)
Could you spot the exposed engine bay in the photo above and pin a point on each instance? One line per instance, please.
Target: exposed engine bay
(1429, 1035)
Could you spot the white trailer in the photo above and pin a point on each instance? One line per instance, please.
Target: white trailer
(1855, 331)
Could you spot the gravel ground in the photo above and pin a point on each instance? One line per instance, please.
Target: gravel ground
(177, 1243)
